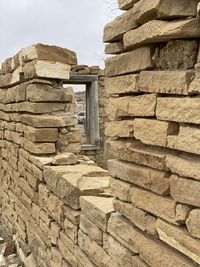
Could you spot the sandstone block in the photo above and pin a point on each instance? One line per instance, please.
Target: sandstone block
(97, 209)
(72, 181)
(143, 220)
(46, 69)
(176, 55)
(178, 109)
(185, 190)
(165, 82)
(186, 140)
(184, 165)
(90, 229)
(44, 93)
(179, 239)
(163, 9)
(15, 94)
(162, 31)
(114, 48)
(114, 30)
(130, 62)
(141, 105)
(50, 53)
(41, 135)
(153, 132)
(193, 223)
(139, 153)
(120, 189)
(65, 159)
(71, 230)
(51, 121)
(37, 148)
(38, 108)
(120, 255)
(120, 128)
(121, 84)
(154, 180)
(150, 250)
(93, 250)
(162, 207)
(126, 4)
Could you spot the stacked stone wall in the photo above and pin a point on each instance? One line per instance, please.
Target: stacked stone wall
(153, 84)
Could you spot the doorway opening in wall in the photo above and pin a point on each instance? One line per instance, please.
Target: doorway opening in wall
(87, 109)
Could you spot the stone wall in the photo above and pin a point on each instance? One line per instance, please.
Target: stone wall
(153, 85)
(43, 174)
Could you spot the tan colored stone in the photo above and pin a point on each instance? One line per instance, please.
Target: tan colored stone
(165, 82)
(5, 80)
(65, 159)
(141, 105)
(195, 84)
(193, 223)
(185, 190)
(126, 4)
(51, 121)
(150, 250)
(153, 132)
(178, 109)
(179, 239)
(187, 140)
(154, 180)
(162, 207)
(114, 48)
(114, 30)
(120, 189)
(15, 94)
(50, 53)
(71, 230)
(46, 69)
(184, 165)
(139, 153)
(72, 181)
(130, 62)
(93, 250)
(97, 209)
(41, 135)
(44, 93)
(139, 218)
(121, 84)
(120, 128)
(37, 148)
(162, 31)
(119, 254)
(90, 229)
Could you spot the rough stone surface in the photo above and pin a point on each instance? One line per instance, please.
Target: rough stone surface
(120, 128)
(193, 223)
(130, 62)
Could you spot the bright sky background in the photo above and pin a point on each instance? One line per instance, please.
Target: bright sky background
(74, 24)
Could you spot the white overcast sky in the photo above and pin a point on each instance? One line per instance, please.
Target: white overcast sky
(74, 24)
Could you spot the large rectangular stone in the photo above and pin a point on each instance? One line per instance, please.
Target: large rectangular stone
(162, 207)
(97, 209)
(120, 128)
(150, 250)
(187, 140)
(184, 165)
(120, 189)
(47, 52)
(44, 93)
(130, 62)
(165, 82)
(141, 105)
(178, 109)
(37, 148)
(114, 30)
(51, 121)
(154, 132)
(121, 84)
(142, 219)
(179, 239)
(157, 31)
(154, 180)
(185, 190)
(46, 69)
(41, 135)
(139, 153)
